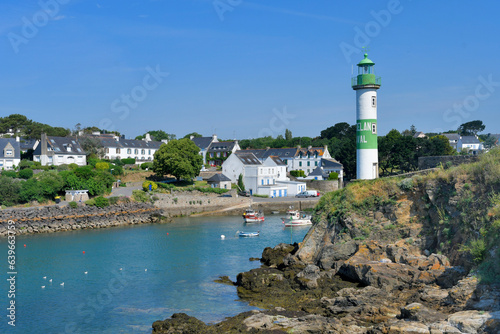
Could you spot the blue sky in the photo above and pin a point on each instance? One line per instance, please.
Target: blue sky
(244, 69)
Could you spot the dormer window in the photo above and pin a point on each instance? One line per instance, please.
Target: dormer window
(9, 153)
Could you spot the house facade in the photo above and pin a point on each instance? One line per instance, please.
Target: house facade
(203, 144)
(262, 178)
(219, 151)
(219, 181)
(10, 153)
(55, 151)
(453, 139)
(115, 147)
(470, 144)
(305, 159)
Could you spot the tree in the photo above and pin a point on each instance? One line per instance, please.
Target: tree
(194, 134)
(288, 135)
(92, 146)
(411, 132)
(471, 128)
(338, 131)
(9, 191)
(241, 185)
(179, 158)
(343, 148)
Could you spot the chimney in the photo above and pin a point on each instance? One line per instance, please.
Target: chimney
(147, 138)
(43, 142)
(214, 138)
(17, 139)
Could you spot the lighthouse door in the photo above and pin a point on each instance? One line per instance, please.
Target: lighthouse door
(375, 170)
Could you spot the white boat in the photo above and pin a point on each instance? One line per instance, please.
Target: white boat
(250, 216)
(295, 218)
(247, 234)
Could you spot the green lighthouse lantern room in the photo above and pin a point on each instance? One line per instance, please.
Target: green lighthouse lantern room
(366, 75)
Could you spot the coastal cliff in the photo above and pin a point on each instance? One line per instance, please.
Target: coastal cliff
(394, 255)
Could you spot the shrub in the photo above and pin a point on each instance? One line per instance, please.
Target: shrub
(73, 204)
(297, 173)
(101, 202)
(140, 196)
(113, 200)
(117, 170)
(26, 173)
(26, 164)
(90, 202)
(9, 191)
(9, 173)
(406, 184)
(62, 167)
(72, 166)
(147, 165)
(146, 184)
(333, 176)
(128, 161)
(102, 166)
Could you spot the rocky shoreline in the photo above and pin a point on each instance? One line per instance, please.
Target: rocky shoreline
(49, 219)
(382, 257)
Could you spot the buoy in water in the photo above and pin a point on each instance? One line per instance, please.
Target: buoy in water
(25, 245)
(222, 236)
(83, 252)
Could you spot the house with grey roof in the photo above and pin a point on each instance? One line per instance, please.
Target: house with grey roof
(10, 153)
(219, 181)
(453, 139)
(219, 151)
(203, 144)
(115, 147)
(297, 158)
(59, 151)
(469, 144)
(262, 178)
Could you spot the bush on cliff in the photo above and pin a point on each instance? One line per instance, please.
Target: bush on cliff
(26, 173)
(42, 187)
(140, 196)
(73, 204)
(9, 191)
(146, 184)
(101, 202)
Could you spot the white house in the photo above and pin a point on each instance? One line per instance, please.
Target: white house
(470, 144)
(306, 159)
(453, 139)
(262, 178)
(203, 144)
(59, 151)
(219, 181)
(120, 148)
(218, 151)
(10, 153)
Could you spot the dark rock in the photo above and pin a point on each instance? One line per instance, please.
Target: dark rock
(273, 257)
(180, 323)
(418, 312)
(224, 280)
(336, 252)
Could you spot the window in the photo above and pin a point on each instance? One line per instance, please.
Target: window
(374, 101)
(117, 151)
(374, 128)
(143, 151)
(262, 181)
(136, 151)
(300, 163)
(308, 163)
(129, 151)
(60, 158)
(107, 149)
(9, 153)
(315, 163)
(149, 152)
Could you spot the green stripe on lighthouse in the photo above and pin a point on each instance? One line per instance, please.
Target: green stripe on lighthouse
(366, 134)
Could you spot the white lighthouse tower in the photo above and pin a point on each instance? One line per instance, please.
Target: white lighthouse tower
(366, 84)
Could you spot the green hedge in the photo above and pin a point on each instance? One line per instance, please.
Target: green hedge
(297, 173)
(128, 161)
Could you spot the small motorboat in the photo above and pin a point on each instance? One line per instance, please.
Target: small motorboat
(295, 218)
(247, 234)
(251, 216)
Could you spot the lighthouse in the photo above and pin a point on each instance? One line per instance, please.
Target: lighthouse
(366, 84)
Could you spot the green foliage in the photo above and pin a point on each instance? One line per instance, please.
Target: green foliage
(84, 172)
(9, 173)
(241, 184)
(140, 196)
(113, 200)
(128, 161)
(62, 167)
(179, 158)
(90, 202)
(26, 173)
(406, 184)
(194, 134)
(91, 146)
(157, 135)
(297, 173)
(146, 184)
(262, 196)
(333, 176)
(471, 128)
(41, 187)
(146, 165)
(102, 166)
(9, 191)
(26, 164)
(73, 204)
(117, 170)
(29, 128)
(101, 202)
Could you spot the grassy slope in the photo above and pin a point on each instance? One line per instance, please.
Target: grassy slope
(455, 212)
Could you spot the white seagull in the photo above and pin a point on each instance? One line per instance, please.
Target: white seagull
(43, 286)
(86, 272)
(62, 284)
(50, 280)
(145, 270)
(44, 277)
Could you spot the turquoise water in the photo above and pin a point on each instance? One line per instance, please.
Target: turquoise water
(165, 268)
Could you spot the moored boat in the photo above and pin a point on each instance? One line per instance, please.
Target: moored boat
(251, 216)
(295, 218)
(248, 234)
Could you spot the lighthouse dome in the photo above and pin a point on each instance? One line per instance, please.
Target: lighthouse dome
(366, 61)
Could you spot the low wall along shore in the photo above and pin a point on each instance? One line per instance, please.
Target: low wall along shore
(54, 218)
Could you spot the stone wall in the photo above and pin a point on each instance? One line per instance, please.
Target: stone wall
(186, 203)
(322, 186)
(432, 162)
(55, 218)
